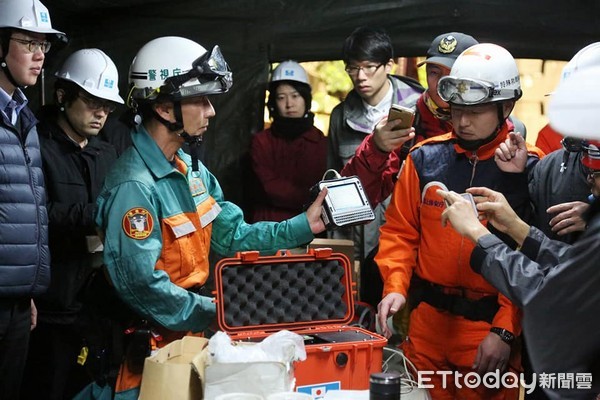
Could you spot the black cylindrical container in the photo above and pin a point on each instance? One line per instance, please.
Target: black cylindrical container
(384, 386)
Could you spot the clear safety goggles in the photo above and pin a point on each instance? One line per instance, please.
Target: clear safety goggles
(469, 91)
(211, 72)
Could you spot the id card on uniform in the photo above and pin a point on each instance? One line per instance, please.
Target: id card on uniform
(94, 244)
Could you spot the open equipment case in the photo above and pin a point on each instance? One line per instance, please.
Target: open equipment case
(310, 294)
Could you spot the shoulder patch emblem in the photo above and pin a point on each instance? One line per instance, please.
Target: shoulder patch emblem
(138, 223)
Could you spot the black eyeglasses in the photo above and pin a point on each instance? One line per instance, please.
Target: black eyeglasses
(95, 104)
(34, 45)
(369, 70)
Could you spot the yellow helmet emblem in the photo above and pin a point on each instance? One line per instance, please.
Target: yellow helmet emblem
(447, 44)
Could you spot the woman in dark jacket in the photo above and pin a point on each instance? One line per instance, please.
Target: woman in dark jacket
(290, 156)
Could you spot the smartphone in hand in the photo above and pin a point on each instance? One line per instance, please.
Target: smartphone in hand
(470, 199)
(407, 115)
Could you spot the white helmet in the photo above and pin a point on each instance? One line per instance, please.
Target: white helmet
(28, 15)
(177, 67)
(573, 108)
(94, 72)
(587, 57)
(290, 71)
(483, 73)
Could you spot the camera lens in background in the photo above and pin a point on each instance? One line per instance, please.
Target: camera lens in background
(384, 386)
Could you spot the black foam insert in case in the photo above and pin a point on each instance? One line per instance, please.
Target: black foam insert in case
(283, 291)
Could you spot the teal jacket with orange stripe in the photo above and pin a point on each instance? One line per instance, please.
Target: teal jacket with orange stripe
(159, 221)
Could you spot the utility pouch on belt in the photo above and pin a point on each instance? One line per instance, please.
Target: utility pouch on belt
(138, 347)
(483, 309)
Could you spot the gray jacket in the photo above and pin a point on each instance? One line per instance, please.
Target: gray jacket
(556, 284)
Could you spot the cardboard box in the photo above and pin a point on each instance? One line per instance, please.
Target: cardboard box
(168, 374)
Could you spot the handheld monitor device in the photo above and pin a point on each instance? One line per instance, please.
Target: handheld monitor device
(346, 203)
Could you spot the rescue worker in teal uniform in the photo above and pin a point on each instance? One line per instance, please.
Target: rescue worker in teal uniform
(161, 210)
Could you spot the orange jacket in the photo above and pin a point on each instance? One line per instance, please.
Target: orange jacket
(548, 139)
(413, 239)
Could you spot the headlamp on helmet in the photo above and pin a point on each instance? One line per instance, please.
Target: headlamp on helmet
(175, 68)
(210, 70)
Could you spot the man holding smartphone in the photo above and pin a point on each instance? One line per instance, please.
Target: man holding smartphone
(369, 58)
(379, 156)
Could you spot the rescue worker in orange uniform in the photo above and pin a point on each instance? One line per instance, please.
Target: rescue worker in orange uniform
(161, 210)
(460, 324)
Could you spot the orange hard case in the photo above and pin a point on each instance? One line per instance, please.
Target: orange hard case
(251, 305)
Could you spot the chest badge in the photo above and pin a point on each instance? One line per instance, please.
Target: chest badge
(197, 187)
(138, 223)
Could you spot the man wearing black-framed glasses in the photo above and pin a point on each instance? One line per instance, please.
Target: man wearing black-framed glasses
(75, 162)
(368, 55)
(25, 28)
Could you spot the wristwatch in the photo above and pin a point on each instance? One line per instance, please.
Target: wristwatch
(506, 336)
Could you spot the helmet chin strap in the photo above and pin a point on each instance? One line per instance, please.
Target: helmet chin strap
(193, 142)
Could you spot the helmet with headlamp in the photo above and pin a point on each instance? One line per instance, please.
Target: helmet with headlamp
(176, 68)
(172, 69)
(484, 73)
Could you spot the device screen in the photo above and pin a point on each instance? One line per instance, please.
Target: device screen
(344, 197)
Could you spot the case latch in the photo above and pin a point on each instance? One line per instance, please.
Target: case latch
(323, 252)
(248, 256)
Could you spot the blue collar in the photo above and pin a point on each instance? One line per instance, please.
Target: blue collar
(18, 100)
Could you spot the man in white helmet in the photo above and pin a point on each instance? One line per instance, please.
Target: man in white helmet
(559, 188)
(75, 163)
(161, 211)
(290, 156)
(25, 36)
(555, 283)
(459, 323)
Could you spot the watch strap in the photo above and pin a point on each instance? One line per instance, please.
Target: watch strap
(507, 336)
